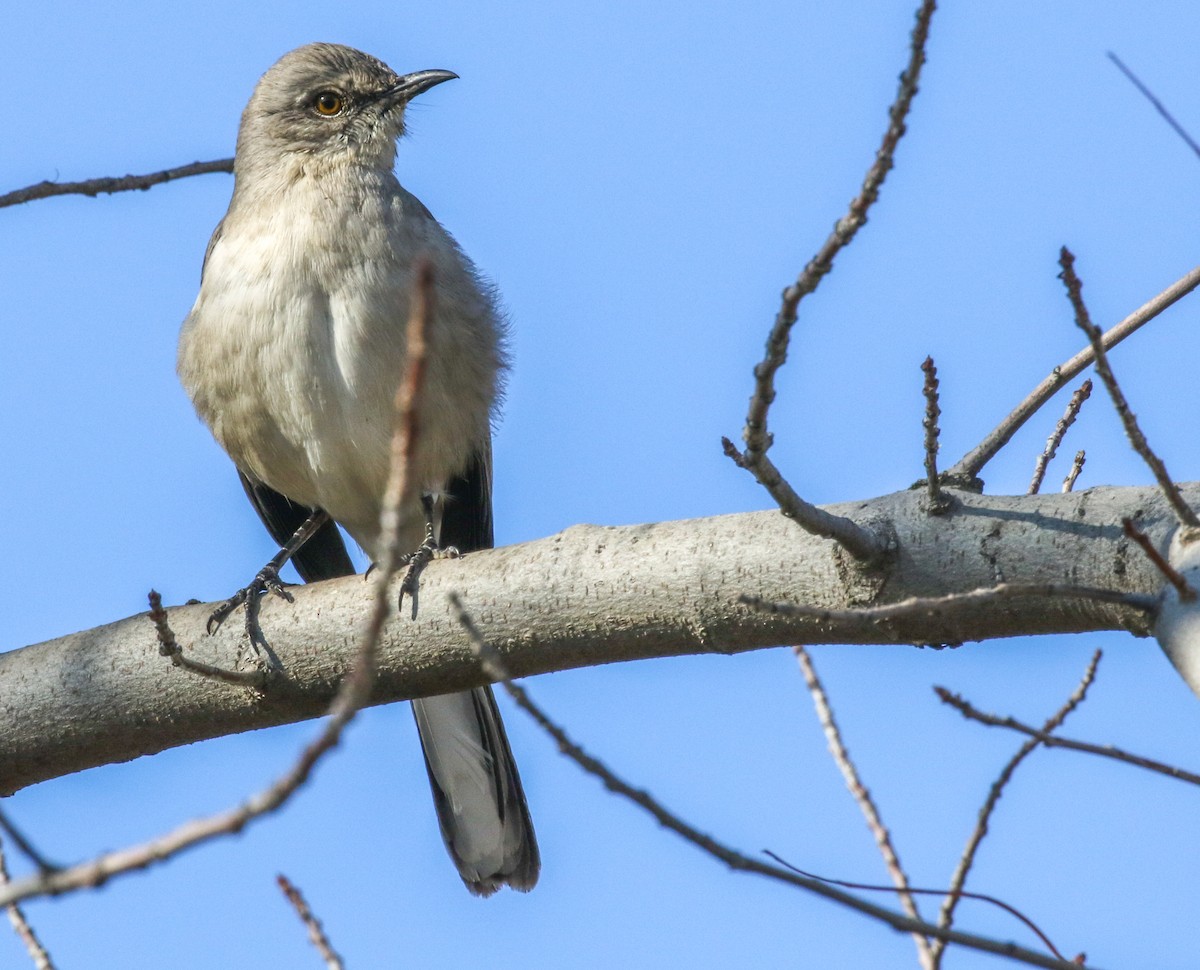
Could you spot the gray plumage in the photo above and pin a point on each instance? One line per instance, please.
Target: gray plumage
(292, 355)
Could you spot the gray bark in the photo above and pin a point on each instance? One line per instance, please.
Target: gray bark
(587, 596)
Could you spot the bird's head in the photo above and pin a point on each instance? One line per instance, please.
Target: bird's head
(330, 101)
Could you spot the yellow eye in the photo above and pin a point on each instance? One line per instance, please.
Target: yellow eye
(329, 103)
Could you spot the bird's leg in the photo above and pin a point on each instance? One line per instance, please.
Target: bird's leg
(427, 551)
(266, 581)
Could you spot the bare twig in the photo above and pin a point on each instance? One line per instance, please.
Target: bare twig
(860, 543)
(37, 952)
(1076, 467)
(937, 502)
(1082, 393)
(353, 692)
(494, 667)
(1172, 575)
(973, 461)
(108, 186)
(932, 606)
(26, 847)
(862, 796)
(1136, 438)
(168, 646)
(1158, 105)
(958, 880)
(1055, 741)
(315, 932)
(979, 897)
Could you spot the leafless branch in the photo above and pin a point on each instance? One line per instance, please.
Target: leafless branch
(315, 932)
(861, 544)
(971, 464)
(1054, 741)
(168, 646)
(114, 184)
(1082, 393)
(108, 186)
(933, 411)
(979, 897)
(1136, 437)
(862, 796)
(1158, 105)
(352, 694)
(489, 659)
(958, 880)
(1172, 575)
(1076, 467)
(940, 606)
(26, 847)
(37, 952)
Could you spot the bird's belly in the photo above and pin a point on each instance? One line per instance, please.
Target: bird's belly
(263, 375)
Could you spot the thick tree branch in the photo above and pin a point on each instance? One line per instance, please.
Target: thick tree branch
(587, 596)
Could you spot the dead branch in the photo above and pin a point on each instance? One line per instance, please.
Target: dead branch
(860, 543)
(973, 713)
(1158, 105)
(37, 952)
(111, 185)
(1132, 430)
(316, 933)
(1082, 393)
(862, 796)
(971, 464)
(937, 502)
(958, 880)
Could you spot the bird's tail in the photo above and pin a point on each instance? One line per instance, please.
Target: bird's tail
(480, 803)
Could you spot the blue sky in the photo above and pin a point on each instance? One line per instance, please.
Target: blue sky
(640, 181)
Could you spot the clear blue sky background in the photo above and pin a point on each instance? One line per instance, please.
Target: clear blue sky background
(640, 180)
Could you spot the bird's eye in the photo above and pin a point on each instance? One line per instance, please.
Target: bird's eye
(329, 103)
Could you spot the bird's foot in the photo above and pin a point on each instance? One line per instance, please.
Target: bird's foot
(415, 563)
(266, 581)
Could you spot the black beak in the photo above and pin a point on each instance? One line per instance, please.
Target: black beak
(410, 85)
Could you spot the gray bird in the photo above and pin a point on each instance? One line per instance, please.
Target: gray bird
(292, 355)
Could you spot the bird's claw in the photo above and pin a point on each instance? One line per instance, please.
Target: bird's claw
(266, 581)
(416, 563)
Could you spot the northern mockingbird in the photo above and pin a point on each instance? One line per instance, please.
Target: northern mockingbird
(292, 356)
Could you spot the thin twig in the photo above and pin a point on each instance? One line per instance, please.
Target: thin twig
(494, 667)
(916, 606)
(352, 694)
(37, 952)
(1158, 105)
(1055, 741)
(108, 186)
(168, 646)
(979, 897)
(1076, 467)
(958, 880)
(933, 411)
(1170, 573)
(1082, 393)
(1136, 438)
(315, 932)
(26, 847)
(860, 543)
(862, 796)
(971, 464)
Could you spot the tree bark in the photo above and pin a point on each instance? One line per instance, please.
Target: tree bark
(590, 595)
